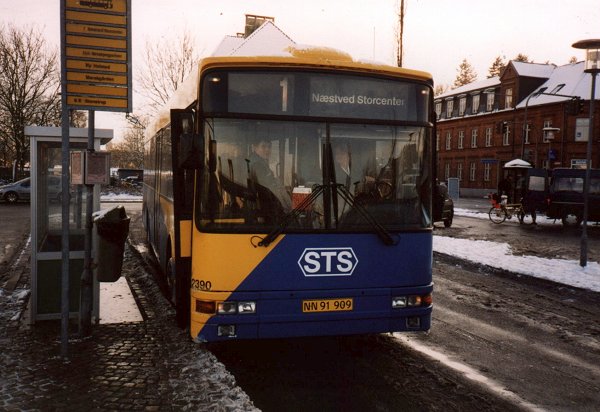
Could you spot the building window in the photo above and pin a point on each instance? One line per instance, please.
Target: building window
(489, 105)
(475, 104)
(487, 167)
(474, 138)
(506, 136)
(448, 140)
(459, 171)
(527, 129)
(547, 123)
(582, 127)
(449, 108)
(438, 109)
(447, 171)
(488, 137)
(472, 170)
(461, 138)
(437, 141)
(462, 106)
(508, 99)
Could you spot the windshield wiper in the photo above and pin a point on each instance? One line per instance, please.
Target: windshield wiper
(382, 232)
(292, 215)
(342, 191)
(338, 189)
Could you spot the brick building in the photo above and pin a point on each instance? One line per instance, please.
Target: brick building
(535, 112)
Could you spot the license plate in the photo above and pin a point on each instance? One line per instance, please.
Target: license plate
(327, 305)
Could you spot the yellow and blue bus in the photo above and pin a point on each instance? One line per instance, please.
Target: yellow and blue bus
(290, 196)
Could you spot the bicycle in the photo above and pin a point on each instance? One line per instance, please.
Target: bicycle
(502, 210)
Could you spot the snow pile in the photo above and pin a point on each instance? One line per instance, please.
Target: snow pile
(499, 255)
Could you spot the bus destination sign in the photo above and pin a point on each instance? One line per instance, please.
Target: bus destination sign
(97, 54)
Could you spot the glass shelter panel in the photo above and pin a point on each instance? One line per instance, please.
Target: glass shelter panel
(49, 198)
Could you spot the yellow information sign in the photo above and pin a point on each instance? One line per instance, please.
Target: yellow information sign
(96, 42)
(97, 90)
(96, 78)
(96, 17)
(118, 6)
(97, 56)
(103, 55)
(96, 66)
(96, 102)
(96, 30)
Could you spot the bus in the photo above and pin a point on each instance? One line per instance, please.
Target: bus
(291, 195)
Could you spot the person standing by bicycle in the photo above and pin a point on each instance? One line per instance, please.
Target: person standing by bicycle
(505, 188)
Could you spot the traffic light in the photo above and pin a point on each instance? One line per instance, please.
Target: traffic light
(575, 106)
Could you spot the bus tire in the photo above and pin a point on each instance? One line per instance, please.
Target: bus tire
(178, 289)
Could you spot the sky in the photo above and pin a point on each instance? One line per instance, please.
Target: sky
(439, 34)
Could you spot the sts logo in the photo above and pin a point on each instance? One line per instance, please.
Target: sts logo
(328, 261)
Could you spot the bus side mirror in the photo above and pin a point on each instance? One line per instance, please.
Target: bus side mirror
(191, 151)
(188, 150)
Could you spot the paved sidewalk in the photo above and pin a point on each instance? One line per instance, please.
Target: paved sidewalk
(149, 366)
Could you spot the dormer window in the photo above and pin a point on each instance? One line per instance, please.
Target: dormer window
(508, 99)
(449, 108)
(475, 103)
(462, 105)
(557, 88)
(438, 109)
(489, 104)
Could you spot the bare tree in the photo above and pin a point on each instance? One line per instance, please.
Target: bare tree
(166, 64)
(29, 88)
(466, 74)
(129, 152)
(522, 58)
(496, 68)
(440, 89)
(399, 31)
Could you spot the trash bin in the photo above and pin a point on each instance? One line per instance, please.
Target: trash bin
(112, 226)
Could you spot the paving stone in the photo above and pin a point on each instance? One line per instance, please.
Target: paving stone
(128, 366)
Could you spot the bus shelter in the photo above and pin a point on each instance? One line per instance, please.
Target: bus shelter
(46, 221)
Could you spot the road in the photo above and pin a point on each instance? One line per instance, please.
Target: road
(498, 342)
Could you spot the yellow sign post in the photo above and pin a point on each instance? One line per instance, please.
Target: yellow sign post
(95, 75)
(97, 58)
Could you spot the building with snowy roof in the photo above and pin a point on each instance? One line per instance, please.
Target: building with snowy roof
(535, 112)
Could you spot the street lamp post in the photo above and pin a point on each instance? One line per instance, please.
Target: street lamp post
(592, 66)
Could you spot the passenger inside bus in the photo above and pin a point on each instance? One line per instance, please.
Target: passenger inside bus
(275, 198)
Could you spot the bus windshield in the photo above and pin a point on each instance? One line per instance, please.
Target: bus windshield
(263, 172)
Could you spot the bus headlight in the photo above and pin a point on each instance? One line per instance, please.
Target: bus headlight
(399, 302)
(411, 301)
(233, 308)
(246, 307)
(227, 308)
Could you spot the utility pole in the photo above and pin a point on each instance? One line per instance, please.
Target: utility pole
(400, 38)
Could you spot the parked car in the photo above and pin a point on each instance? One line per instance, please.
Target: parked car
(21, 190)
(443, 205)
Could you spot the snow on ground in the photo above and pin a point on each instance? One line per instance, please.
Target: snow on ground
(120, 197)
(493, 254)
(499, 255)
